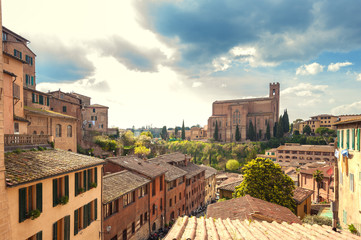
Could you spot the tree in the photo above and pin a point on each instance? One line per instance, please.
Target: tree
(251, 132)
(322, 130)
(232, 165)
(141, 151)
(307, 130)
(264, 180)
(268, 132)
(147, 133)
(215, 135)
(275, 129)
(127, 138)
(238, 134)
(183, 132)
(176, 132)
(318, 176)
(285, 122)
(279, 133)
(164, 133)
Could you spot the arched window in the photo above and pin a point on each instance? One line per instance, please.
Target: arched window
(58, 130)
(69, 131)
(237, 117)
(34, 132)
(41, 133)
(154, 227)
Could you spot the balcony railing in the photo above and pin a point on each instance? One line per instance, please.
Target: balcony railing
(25, 139)
(16, 91)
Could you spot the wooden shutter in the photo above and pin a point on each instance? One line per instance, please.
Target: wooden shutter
(96, 209)
(55, 231)
(96, 175)
(348, 138)
(341, 138)
(33, 97)
(338, 138)
(89, 179)
(76, 224)
(84, 180)
(358, 139)
(39, 235)
(47, 101)
(66, 185)
(89, 213)
(76, 184)
(22, 204)
(55, 192)
(39, 197)
(67, 228)
(85, 216)
(353, 138)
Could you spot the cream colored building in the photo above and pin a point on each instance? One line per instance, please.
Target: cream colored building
(322, 120)
(210, 184)
(63, 187)
(349, 170)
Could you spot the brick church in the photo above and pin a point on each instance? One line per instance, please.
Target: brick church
(230, 113)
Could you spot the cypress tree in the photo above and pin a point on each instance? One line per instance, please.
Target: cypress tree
(238, 134)
(268, 132)
(280, 128)
(275, 129)
(183, 132)
(164, 133)
(215, 136)
(251, 131)
(285, 122)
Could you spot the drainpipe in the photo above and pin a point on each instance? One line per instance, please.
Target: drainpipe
(334, 204)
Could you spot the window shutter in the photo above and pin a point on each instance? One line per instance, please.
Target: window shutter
(348, 138)
(85, 216)
(47, 101)
(39, 197)
(358, 139)
(67, 185)
(76, 184)
(39, 235)
(84, 180)
(14, 52)
(76, 227)
(55, 231)
(32, 80)
(96, 175)
(22, 204)
(338, 138)
(89, 213)
(67, 228)
(353, 138)
(341, 138)
(96, 209)
(21, 55)
(33, 96)
(89, 178)
(55, 192)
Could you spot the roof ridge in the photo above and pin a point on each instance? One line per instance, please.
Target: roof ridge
(115, 173)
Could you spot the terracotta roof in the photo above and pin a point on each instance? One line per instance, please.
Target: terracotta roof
(248, 207)
(244, 100)
(15, 34)
(301, 194)
(226, 229)
(117, 184)
(172, 173)
(171, 157)
(352, 120)
(143, 167)
(191, 169)
(35, 165)
(230, 186)
(324, 115)
(9, 73)
(12, 56)
(209, 171)
(318, 148)
(327, 171)
(47, 113)
(231, 180)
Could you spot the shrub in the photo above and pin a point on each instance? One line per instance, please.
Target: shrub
(34, 214)
(93, 185)
(64, 200)
(317, 220)
(232, 165)
(352, 229)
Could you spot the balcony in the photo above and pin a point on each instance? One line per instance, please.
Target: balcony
(26, 141)
(16, 91)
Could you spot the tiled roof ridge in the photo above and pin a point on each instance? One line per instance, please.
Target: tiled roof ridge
(252, 206)
(115, 173)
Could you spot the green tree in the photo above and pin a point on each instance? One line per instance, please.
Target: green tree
(141, 151)
(275, 129)
(215, 135)
(322, 130)
(264, 180)
(147, 133)
(232, 165)
(318, 176)
(268, 132)
(183, 131)
(127, 138)
(164, 133)
(285, 122)
(238, 134)
(307, 130)
(251, 132)
(280, 128)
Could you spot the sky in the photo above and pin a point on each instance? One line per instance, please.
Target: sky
(159, 62)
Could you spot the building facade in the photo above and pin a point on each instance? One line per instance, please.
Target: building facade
(228, 114)
(210, 184)
(322, 120)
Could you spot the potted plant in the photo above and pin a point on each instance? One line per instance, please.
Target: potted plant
(63, 200)
(81, 190)
(93, 185)
(34, 214)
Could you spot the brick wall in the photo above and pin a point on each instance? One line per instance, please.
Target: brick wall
(178, 201)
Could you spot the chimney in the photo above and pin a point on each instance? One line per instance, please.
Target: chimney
(186, 160)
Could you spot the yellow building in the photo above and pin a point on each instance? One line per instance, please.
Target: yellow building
(323, 120)
(54, 194)
(349, 166)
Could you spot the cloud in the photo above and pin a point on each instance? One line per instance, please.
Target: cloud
(358, 77)
(196, 84)
(305, 90)
(334, 67)
(133, 57)
(353, 108)
(310, 69)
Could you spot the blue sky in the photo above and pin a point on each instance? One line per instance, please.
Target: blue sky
(157, 62)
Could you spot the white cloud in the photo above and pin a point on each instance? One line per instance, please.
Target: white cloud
(353, 108)
(310, 69)
(358, 78)
(221, 64)
(305, 90)
(334, 67)
(196, 84)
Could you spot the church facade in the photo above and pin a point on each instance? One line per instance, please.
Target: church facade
(227, 114)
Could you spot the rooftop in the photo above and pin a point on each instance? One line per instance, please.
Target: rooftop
(226, 229)
(117, 184)
(327, 171)
(96, 106)
(230, 186)
(136, 164)
(318, 148)
(248, 207)
(348, 121)
(209, 171)
(191, 169)
(171, 157)
(30, 166)
(172, 173)
(301, 194)
(244, 100)
(47, 113)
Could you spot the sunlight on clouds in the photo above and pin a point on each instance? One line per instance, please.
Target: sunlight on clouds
(334, 67)
(196, 84)
(347, 108)
(358, 78)
(310, 69)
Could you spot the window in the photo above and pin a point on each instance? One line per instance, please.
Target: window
(47, 101)
(69, 132)
(34, 133)
(153, 187)
(161, 183)
(180, 196)
(29, 60)
(85, 215)
(30, 198)
(125, 234)
(341, 177)
(93, 109)
(90, 125)
(170, 202)
(348, 138)
(341, 139)
(344, 217)
(18, 54)
(58, 130)
(142, 191)
(133, 227)
(16, 128)
(32, 80)
(141, 219)
(5, 37)
(60, 190)
(111, 208)
(145, 217)
(86, 180)
(351, 182)
(128, 198)
(41, 99)
(64, 108)
(353, 139)
(153, 208)
(34, 98)
(38, 236)
(61, 229)
(181, 180)
(161, 204)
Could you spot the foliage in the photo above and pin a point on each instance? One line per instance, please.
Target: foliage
(81, 190)
(141, 151)
(352, 229)
(285, 122)
(307, 130)
(325, 131)
(147, 133)
(232, 165)
(264, 180)
(268, 132)
(183, 131)
(238, 134)
(222, 199)
(41, 148)
(107, 144)
(251, 132)
(34, 214)
(93, 185)
(296, 132)
(127, 138)
(164, 133)
(17, 151)
(314, 219)
(318, 176)
(52, 144)
(63, 200)
(279, 130)
(215, 135)
(143, 140)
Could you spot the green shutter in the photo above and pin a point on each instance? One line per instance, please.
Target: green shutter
(89, 212)
(348, 138)
(14, 52)
(55, 192)
(33, 97)
(96, 175)
(76, 227)
(89, 179)
(39, 235)
(76, 184)
(55, 231)
(67, 228)
(358, 139)
(39, 197)
(67, 185)
(338, 138)
(353, 138)
(30, 198)
(21, 55)
(32, 80)
(84, 180)
(47, 101)
(96, 209)
(41, 99)
(341, 138)
(85, 216)
(22, 204)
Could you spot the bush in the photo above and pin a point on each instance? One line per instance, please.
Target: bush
(317, 220)
(34, 214)
(64, 200)
(232, 165)
(352, 229)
